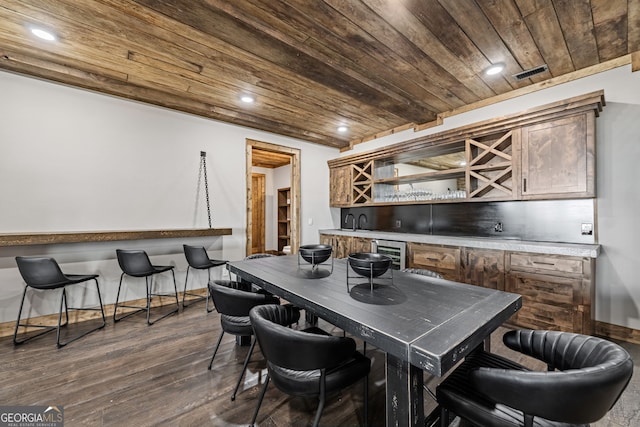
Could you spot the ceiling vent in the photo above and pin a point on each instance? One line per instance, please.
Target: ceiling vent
(531, 72)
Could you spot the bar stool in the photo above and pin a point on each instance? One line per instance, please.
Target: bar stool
(136, 263)
(198, 258)
(42, 273)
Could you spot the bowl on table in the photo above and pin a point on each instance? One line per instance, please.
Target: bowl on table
(368, 264)
(315, 254)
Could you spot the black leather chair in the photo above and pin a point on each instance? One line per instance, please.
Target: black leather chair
(586, 377)
(136, 263)
(423, 272)
(233, 300)
(44, 274)
(198, 259)
(307, 363)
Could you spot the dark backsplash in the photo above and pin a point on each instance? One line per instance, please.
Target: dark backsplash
(536, 220)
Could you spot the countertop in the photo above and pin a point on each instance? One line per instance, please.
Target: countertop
(551, 248)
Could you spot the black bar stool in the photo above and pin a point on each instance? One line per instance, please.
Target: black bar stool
(44, 274)
(198, 258)
(136, 263)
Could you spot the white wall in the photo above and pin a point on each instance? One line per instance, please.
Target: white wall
(618, 201)
(75, 160)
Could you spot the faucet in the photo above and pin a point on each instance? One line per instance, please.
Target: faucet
(365, 220)
(353, 223)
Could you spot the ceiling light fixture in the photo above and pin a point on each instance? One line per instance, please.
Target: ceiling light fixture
(494, 69)
(43, 34)
(342, 129)
(247, 98)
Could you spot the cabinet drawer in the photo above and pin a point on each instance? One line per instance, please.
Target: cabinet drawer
(546, 263)
(436, 257)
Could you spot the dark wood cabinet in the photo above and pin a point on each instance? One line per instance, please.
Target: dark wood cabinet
(442, 259)
(557, 291)
(483, 267)
(558, 158)
(340, 186)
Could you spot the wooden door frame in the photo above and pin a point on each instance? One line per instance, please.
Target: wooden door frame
(264, 209)
(294, 153)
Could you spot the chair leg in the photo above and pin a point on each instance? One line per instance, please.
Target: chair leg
(244, 368)
(444, 417)
(216, 350)
(316, 420)
(262, 393)
(115, 307)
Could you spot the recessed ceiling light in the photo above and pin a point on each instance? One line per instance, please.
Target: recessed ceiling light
(43, 34)
(342, 128)
(247, 98)
(494, 69)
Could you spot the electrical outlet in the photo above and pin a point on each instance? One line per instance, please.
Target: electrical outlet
(498, 227)
(586, 229)
(398, 223)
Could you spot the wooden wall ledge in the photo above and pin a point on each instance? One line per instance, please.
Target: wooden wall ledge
(21, 239)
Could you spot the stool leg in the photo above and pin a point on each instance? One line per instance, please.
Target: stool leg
(115, 307)
(148, 282)
(104, 319)
(63, 299)
(15, 333)
(209, 310)
(186, 279)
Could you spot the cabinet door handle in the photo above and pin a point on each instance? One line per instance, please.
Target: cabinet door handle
(524, 189)
(544, 263)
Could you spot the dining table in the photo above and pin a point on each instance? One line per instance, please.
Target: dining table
(422, 324)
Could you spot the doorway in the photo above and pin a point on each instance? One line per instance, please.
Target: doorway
(267, 155)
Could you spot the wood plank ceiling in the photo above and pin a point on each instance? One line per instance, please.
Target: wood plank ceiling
(371, 65)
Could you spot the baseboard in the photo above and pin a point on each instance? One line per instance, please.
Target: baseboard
(616, 332)
(7, 328)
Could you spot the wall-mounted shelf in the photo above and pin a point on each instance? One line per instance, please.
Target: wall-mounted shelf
(423, 177)
(284, 217)
(22, 239)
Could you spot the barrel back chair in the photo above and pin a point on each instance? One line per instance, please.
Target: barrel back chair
(308, 363)
(234, 300)
(586, 376)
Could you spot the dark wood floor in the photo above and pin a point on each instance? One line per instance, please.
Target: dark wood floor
(131, 374)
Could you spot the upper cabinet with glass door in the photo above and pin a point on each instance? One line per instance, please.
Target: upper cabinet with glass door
(514, 157)
(421, 176)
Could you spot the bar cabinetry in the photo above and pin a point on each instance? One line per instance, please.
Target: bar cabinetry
(342, 246)
(442, 259)
(543, 153)
(483, 267)
(557, 291)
